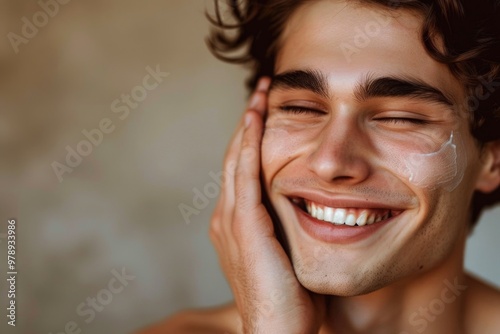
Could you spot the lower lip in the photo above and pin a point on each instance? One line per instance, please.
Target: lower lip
(339, 234)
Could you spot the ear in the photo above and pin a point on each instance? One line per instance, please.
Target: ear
(489, 175)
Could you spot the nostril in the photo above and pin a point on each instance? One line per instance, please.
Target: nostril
(342, 178)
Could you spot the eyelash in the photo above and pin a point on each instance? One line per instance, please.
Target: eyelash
(300, 110)
(402, 120)
(394, 120)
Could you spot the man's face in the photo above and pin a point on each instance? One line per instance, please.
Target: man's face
(364, 128)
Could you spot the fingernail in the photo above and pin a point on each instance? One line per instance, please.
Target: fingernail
(248, 120)
(254, 101)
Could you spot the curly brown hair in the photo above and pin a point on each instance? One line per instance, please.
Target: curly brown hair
(469, 30)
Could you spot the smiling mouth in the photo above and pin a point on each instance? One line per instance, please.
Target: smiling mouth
(345, 216)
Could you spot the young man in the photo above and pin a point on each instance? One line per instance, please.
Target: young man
(354, 178)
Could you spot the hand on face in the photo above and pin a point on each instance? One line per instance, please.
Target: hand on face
(268, 295)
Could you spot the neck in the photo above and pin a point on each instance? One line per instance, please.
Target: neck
(432, 302)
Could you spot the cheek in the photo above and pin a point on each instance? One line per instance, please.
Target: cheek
(277, 144)
(280, 145)
(427, 163)
(442, 168)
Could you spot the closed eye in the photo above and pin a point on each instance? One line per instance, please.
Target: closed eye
(301, 110)
(402, 120)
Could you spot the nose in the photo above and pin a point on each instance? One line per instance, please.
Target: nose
(341, 152)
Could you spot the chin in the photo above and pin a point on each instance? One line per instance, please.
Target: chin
(317, 271)
(322, 283)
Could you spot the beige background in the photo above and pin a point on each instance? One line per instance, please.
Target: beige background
(119, 207)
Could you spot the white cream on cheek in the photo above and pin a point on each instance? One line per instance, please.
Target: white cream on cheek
(441, 168)
(422, 160)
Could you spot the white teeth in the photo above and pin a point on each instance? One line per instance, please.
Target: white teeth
(339, 217)
(349, 216)
(320, 214)
(328, 215)
(371, 219)
(361, 221)
(350, 220)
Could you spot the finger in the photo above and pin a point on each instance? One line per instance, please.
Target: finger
(216, 220)
(251, 218)
(258, 101)
(247, 171)
(257, 104)
(230, 163)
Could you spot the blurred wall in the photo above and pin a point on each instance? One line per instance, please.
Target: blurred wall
(114, 217)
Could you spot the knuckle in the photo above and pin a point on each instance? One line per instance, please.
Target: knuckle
(243, 198)
(249, 150)
(214, 235)
(253, 155)
(237, 230)
(215, 226)
(237, 227)
(230, 167)
(216, 218)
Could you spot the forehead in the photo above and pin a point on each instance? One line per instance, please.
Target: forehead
(346, 40)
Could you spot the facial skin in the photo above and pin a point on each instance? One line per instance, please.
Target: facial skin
(380, 130)
(348, 148)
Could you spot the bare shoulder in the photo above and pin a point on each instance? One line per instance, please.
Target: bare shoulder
(218, 320)
(483, 304)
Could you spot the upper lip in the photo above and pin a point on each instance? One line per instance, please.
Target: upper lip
(345, 201)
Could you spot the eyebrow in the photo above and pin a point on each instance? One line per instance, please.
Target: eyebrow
(311, 80)
(369, 87)
(392, 86)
